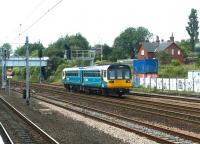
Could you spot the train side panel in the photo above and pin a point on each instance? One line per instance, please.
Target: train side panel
(92, 81)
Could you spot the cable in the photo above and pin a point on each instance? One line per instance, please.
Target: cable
(41, 17)
(34, 10)
(37, 20)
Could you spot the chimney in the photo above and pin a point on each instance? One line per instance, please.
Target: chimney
(172, 38)
(157, 39)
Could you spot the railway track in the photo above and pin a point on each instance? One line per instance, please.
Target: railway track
(152, 132)
(170, 138)
(164, 96)
(187, 98)
(20, 128)
(173, 111)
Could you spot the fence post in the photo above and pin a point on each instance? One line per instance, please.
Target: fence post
(176, 85)
(156, 83)
(169, 84)
(162, 83)
(193, 84)
(150, 83)
(184, 84)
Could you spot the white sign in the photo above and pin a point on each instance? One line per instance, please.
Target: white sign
(9, 77)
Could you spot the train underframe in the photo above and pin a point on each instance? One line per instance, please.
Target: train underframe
(100, 91)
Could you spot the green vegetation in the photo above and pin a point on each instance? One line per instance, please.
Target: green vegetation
(127, 43)
(193, 27)
(176, 69)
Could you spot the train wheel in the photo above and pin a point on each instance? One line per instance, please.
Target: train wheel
(105, 92)
(120, 94)
(67, 87)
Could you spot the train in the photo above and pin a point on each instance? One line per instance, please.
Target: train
(113, 79)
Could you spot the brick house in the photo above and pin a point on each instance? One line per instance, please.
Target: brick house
(147, 50)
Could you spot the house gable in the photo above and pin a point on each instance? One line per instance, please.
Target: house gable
(175, 51)
(148, 50)
(144, 54)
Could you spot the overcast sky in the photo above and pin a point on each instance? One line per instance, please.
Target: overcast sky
(99, 21)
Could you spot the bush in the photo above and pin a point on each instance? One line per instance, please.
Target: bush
(172, 71)
(175, 63)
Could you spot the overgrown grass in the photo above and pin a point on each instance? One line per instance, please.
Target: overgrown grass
(176, 69)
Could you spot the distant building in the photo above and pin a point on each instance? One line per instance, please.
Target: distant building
(147, 50)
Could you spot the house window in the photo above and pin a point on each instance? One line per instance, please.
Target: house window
(142, 52)
(179, 52)
(172, 51)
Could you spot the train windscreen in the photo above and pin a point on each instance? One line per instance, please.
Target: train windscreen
(119, 72)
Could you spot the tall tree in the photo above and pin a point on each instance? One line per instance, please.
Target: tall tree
(193, 27)
(76, 42)
(127, 42)
(32, 48)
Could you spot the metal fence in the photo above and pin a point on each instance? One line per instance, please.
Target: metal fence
(169, 84)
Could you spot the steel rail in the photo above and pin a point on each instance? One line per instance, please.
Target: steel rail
(119, 117)
(5, 136)
(38, 129)
(137, 107)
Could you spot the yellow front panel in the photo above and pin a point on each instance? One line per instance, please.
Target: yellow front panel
(119, 83)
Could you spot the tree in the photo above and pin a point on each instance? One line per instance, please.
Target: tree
(75, 42)
(55, 51)
(7, 46)
(32, 47)
(127, 43)
(106, 52)
(7, 49)
(193, 27)
(186, 47)
(163, 57)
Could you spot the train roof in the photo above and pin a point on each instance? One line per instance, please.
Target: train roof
(105, 67)
(101, 67)
(73, 68)
(96, 67)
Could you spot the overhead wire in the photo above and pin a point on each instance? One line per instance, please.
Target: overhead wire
(38, 19)
(35, 8)
(15, 29)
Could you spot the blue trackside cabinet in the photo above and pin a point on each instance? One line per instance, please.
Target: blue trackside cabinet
(145, 66)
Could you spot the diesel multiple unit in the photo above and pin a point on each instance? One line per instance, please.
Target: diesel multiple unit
(106, 79)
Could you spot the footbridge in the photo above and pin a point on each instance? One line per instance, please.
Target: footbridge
(21, 62)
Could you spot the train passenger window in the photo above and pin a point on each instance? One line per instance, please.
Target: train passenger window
(119, 74)
(112, 74)
(104, 73)
(127, 74)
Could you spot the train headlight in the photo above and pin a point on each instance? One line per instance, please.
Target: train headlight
(111, 81)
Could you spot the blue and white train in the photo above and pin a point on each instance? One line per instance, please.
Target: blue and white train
(112, 79)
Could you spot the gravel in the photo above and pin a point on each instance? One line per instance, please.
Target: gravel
(69, 127)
